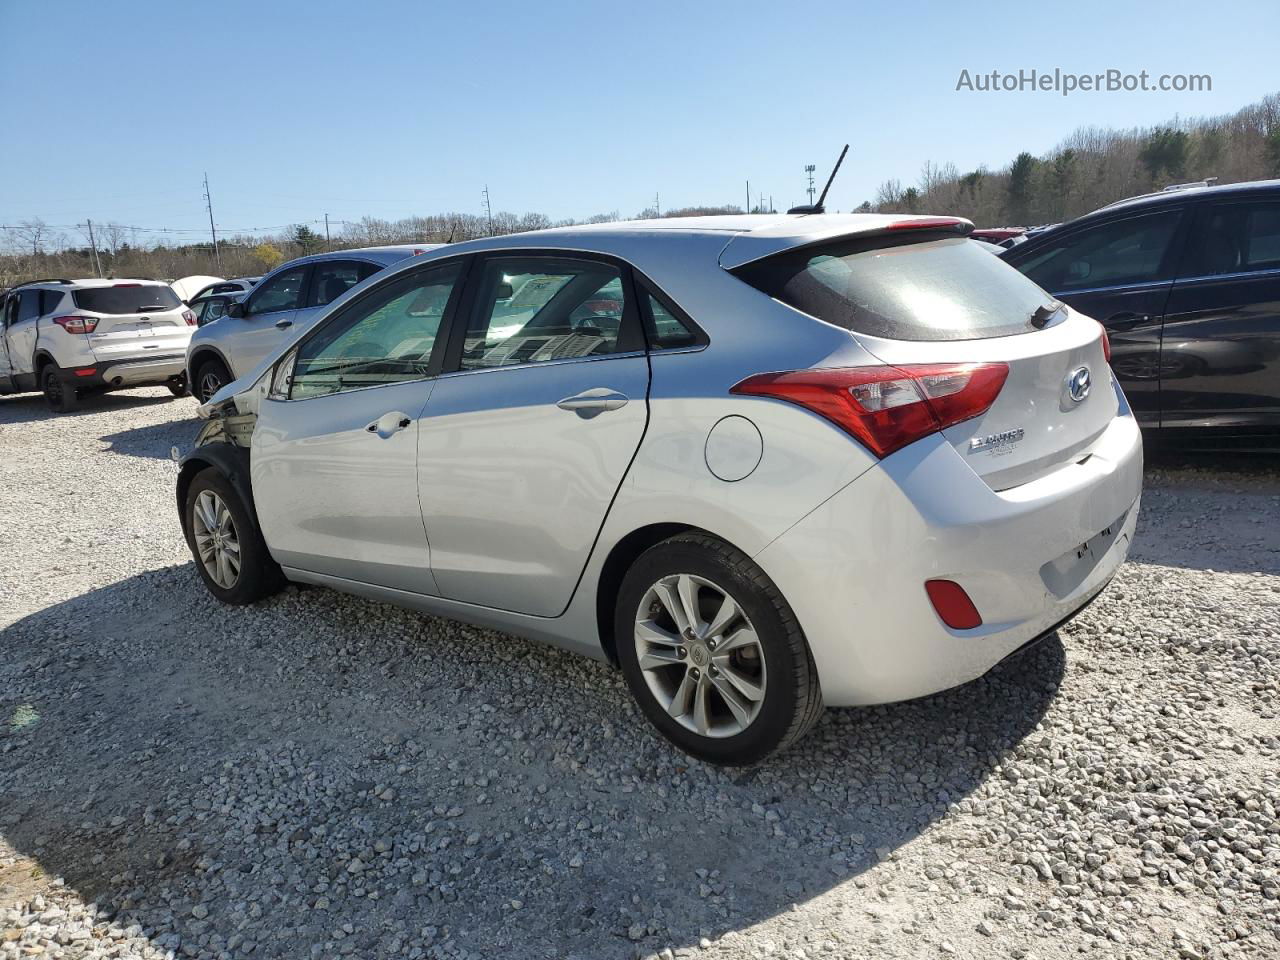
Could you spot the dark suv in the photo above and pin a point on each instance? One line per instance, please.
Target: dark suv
(1187, 283)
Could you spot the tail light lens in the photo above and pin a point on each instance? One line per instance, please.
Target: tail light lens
(1106, 343)
(76, 324)
(886, 408)
(190, 317)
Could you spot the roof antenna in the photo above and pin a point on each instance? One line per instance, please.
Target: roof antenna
(817, 207)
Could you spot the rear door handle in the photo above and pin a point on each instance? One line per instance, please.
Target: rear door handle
(590, 403)
(283, 324)
(389, 423)
(1126, 320)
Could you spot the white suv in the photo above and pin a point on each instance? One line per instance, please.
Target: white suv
(72, 337)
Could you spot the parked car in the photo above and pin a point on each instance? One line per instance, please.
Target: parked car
(238, 285)
(997, 235)
(208, 307)
(74, 337)
(819, 459)
(1187, 283)
(282, 304)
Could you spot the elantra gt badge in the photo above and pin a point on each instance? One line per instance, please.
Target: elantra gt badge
(995, 441)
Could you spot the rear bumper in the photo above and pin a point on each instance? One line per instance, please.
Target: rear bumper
(854, 569)
(128, 372)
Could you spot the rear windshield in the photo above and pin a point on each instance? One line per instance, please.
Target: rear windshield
(131, 299)
(948, 289)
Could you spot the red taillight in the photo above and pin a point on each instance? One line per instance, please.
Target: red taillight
(75, 324)
(886, 408)
(126, 284)
(190, 317)
(86, 371)
(952, 604)
(1106, 344)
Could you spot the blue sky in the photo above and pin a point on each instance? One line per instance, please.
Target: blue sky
(115, 110)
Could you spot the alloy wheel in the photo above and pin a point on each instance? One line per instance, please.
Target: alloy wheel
(210, 384)
(700, 655)
(216, 539)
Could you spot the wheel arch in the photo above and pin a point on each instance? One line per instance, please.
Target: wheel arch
(42, 359)
(229, 460)
(621, 556)
(203, 352)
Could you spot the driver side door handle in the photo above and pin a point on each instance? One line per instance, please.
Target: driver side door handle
(390, 423)
(283, 324)
(1126, 320)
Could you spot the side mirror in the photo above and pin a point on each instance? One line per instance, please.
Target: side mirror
(504, 292)
(235, 309)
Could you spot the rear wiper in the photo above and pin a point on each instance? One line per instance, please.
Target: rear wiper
(1042, 314)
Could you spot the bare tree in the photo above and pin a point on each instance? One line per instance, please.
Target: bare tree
(33, 234)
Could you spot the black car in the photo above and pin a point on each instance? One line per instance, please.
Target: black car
(1187, 284)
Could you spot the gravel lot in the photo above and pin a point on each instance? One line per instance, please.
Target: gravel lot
(323, 776)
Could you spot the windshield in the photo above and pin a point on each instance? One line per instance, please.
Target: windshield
(936, 290)
(128, 298)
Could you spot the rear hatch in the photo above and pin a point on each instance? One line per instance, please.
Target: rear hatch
(930, 296)
(134, 320)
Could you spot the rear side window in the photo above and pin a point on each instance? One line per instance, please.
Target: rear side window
(945, 289)
(666, 330)
(536, 309)
(330, 279)
(1133, 250)
(129, 298)
(49, 301)
(1237, 238)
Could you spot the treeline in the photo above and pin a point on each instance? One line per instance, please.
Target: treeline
(1093, 167)
(34, 251)
(1090, 168)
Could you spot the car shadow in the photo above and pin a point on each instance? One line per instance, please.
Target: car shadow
(176, 750)
(154, 440)
(31, 407)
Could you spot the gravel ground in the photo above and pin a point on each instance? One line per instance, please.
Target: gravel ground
(323, 776)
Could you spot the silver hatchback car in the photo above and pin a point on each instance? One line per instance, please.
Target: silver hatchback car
(760, 463)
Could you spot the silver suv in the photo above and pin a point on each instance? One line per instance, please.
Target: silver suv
(72, 337)
(283, 304)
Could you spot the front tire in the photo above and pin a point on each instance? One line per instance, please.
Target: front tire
(210, 378)
(231, 556)
(178, 387)
(713, 653)
(61, 396)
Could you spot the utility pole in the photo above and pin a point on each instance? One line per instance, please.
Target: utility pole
(488, 210)
(326, 231)
(748, 210)
(657, 207)
(809, 170)
(94, 245)
(208, 203)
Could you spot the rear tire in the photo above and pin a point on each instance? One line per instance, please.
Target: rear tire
(212, 376)
(734, 683)
(61, 396)
(231, 556)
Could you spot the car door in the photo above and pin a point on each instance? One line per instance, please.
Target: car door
(335, 447)
(21, 332)
(267, 319)
(8, 309)
(1220, 356)
(1118, 271)
(528, 434)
